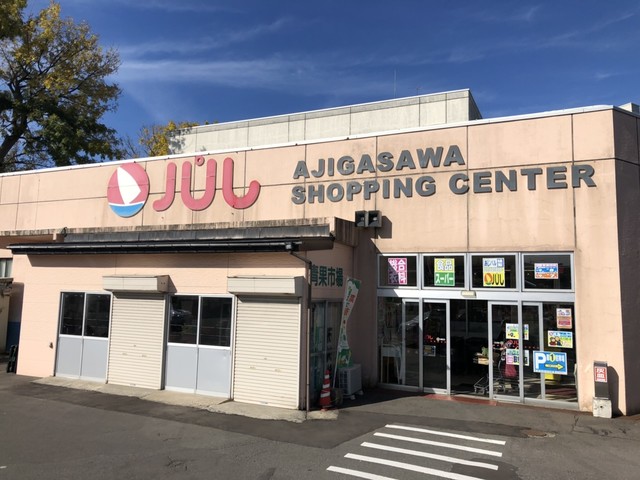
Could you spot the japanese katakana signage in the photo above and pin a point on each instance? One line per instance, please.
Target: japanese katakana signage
(444, 272)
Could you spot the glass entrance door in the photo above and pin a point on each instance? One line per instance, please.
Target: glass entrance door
(434, 345)
(549, 329)
(532, 382)
(504, 336)
(469, 352)
(411, 330)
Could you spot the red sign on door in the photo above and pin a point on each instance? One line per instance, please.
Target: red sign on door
(600, 374)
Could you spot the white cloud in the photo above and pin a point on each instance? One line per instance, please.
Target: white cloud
(162, 5)
(291, 75)
(193, 46)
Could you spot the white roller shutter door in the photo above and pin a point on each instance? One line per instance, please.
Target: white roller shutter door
(267, 351)
(137, 340)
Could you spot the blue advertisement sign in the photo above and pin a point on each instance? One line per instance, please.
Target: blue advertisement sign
(550, 362)
(546, 271)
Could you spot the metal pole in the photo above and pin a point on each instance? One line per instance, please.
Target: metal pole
(309, 265)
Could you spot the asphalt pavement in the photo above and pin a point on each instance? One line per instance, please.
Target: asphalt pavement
(61, 428)
(325, 429)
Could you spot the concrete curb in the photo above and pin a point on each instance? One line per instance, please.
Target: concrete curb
(202, 402)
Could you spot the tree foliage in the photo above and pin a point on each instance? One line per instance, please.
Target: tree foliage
(54, 90)
(10, 17)
(159, 140)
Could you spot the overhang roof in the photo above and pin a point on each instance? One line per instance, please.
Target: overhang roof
(281, 238)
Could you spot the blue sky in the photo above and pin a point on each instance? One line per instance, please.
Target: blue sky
(200, 60)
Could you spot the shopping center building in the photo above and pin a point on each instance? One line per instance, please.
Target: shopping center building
(496, 258)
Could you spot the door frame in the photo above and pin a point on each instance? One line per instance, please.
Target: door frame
(492, 394)
(540, 327)
(403, 350)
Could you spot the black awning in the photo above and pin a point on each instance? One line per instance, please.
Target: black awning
(185, 241)
(154, 247)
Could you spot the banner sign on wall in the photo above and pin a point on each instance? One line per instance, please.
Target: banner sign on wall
(397, 269)
(344, 352)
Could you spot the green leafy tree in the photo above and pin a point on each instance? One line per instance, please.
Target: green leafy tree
(159, 140)
(53, 90)
(10, 17)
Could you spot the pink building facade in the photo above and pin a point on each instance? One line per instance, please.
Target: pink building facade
(495, 258)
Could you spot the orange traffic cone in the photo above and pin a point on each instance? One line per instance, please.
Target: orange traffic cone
(325, 394)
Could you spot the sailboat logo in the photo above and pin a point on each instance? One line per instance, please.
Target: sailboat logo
(128, 189)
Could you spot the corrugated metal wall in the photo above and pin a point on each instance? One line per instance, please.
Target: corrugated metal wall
(267, 351)
(137, 340)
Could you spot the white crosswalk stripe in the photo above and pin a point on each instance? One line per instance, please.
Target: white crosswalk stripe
(440, 444)
(447, 434)
(434, 456)
(386, 456)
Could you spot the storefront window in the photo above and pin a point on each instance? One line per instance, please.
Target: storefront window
(201, 320)
(5, 267)
(325, 325)
(183, 323)
(72, 313)
(97, 317)
(443, 271)
(215, 324)
(559, 337)
(547, 271)
(86, 314)
(495, 271)
(390, 338)
(398, 271)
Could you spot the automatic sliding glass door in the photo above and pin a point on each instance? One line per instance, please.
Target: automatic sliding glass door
(469, 353)
(411, 330)
(533, 383)
(435, 337)
(506, 347)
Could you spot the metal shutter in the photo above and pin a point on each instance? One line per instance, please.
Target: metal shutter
(267, 351)
(137, 340)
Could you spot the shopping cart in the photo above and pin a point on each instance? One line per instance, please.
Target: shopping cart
(481, 387)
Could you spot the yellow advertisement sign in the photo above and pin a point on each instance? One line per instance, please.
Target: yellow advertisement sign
(493, 272)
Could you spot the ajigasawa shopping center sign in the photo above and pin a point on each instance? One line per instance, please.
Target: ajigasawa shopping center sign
(347, 186)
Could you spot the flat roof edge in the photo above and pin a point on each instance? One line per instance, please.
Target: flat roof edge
(331, 109)
(294, 222)
(483, 121)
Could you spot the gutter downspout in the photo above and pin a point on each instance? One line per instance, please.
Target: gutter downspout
(308, 330)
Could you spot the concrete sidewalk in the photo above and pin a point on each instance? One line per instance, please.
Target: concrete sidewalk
(202, 402)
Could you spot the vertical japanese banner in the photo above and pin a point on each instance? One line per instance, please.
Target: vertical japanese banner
(344, 352)
(397, 270)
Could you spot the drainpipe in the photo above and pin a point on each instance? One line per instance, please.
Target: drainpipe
(308, 327)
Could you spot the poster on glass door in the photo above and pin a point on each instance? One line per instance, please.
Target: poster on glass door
(560, 339)
(511, 331)
(564, 318)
